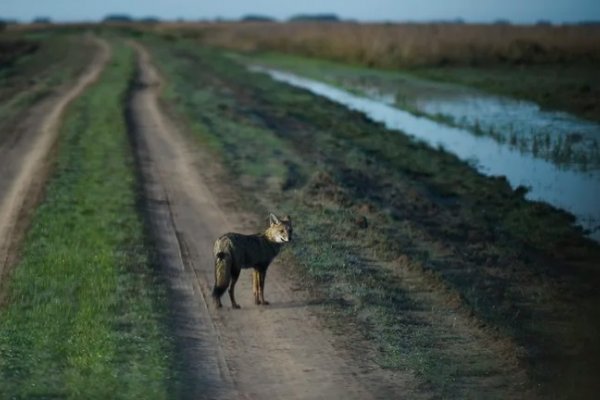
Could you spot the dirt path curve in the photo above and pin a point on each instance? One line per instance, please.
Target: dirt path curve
(25, 161)
(279, 352)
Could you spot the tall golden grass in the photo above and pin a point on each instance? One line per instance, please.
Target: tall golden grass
(405, 45)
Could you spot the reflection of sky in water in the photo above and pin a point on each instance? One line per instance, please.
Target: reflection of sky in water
(575, 191)
(506, 115)
(553, 135)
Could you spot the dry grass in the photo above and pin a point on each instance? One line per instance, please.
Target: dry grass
(404, 45)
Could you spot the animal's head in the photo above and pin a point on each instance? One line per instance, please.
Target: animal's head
(280, 229)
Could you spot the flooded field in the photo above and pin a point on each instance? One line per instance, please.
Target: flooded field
(559, 137)
(552, 135)
(572, 189)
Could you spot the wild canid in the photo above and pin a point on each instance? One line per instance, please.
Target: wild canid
(235, 251)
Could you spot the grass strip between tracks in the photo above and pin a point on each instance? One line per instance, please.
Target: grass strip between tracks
(84, 317)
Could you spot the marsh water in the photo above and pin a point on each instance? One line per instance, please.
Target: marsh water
(564, 186)
(555, 136)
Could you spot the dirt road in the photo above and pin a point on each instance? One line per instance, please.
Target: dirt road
(26, 157)
(280, 351)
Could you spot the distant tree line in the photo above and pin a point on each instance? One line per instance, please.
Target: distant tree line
(37, 20)
(42, 20)
(315, 18)
(257, 18)
(324, 17)
(4, 22)
(124, 18)
(295, 18)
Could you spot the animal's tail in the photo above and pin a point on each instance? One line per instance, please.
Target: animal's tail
(222, 274)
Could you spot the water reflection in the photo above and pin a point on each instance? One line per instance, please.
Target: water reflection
(575, 191)
(556, 136)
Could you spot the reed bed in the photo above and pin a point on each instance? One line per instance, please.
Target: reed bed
(404, 45)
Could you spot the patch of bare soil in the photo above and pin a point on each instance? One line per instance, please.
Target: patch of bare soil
(279, 351)
(26, 159)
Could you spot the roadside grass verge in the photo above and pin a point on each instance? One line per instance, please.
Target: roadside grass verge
(53, 60)
(13, 47)
(84, 315)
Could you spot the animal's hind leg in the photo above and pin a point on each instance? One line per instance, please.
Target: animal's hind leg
(235, 274)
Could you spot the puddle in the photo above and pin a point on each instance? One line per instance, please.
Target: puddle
(569, 189)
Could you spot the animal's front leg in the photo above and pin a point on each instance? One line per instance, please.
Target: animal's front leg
(262, 277)
(256, 286)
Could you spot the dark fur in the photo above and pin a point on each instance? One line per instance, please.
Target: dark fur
(236, 251)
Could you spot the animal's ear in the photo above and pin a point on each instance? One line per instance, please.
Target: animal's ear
(287, 219)
(273, 220)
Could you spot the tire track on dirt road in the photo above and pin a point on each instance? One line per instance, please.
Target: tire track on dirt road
(281, 351)
(26, 160)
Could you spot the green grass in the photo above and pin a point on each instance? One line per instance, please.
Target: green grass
(84, 316)
(230, 137)
(57, 60)
(345, 76)
(572, 87)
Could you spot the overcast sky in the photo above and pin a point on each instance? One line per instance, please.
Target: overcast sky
(518, 11)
